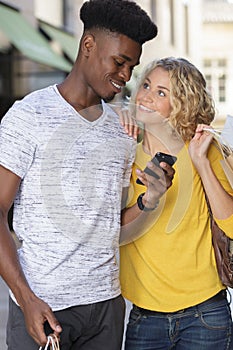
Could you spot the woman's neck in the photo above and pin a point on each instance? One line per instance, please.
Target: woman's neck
(161, 139)
(151, 145)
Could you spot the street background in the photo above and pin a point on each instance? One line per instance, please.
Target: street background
(38, 45)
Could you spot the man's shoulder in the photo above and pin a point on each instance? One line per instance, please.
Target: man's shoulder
(43, 101)
(37, 103)
(41, 95)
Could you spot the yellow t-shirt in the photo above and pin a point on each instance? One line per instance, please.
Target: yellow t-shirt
(172, 266)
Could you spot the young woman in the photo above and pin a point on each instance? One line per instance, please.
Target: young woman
(169, 273)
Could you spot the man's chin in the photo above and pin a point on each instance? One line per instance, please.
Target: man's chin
(109, 97)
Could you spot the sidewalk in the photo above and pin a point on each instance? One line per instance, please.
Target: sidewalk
(3, 314)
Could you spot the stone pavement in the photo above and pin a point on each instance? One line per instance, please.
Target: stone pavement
(3, 314)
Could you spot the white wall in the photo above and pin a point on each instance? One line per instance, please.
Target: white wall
(49, 11)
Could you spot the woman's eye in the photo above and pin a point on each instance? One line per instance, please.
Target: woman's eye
(161, 93)
(145, 86)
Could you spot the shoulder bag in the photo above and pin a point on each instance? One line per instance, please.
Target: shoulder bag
(223, 248)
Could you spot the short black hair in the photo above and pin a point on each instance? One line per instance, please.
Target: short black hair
(120, 16)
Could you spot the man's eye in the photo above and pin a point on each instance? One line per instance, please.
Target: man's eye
(118, 63)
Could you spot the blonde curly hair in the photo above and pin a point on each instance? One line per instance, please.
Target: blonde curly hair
(190, 101)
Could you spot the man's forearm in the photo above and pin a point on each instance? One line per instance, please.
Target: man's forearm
(10, 268)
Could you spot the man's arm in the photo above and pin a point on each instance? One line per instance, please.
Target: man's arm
(36, 312)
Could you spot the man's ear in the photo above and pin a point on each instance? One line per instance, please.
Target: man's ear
(88, 44)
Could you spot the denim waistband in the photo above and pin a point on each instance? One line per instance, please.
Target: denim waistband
(222, 295)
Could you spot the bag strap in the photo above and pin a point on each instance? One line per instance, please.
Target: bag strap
(220, 143)
(52, 343)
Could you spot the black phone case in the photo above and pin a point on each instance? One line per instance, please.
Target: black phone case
(164, 157)
(158, 158)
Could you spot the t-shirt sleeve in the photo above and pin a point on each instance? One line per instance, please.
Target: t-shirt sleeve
(17, 138)
(129, 165)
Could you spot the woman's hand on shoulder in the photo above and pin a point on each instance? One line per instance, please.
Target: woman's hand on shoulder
(129, 123)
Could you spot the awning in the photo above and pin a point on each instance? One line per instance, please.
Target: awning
(28, 40)
(4, 43)
(67, 42)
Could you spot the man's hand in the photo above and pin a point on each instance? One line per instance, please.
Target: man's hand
(36, 313)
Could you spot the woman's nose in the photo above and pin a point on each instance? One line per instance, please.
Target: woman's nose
(148, 96)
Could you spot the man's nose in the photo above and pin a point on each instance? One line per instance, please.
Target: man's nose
(125, 73)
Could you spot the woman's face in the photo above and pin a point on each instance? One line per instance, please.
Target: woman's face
(154, 96)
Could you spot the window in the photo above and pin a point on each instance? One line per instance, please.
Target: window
(172, 25)
(186, 28)
(221, 62)
(208, 82)
(222, 88)
(153, 10)
(215, 71)
(207, 63)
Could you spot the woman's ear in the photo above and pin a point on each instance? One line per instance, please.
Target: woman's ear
(88, 44)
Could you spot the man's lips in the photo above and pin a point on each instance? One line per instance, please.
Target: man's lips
(116, 85)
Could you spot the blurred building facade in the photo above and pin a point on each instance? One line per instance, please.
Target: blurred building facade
(199, 30)
(217, 52)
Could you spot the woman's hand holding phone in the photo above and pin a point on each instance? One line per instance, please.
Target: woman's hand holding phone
(156, 160)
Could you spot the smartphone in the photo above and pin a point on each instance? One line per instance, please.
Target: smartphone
(164, 157)
(158, 158)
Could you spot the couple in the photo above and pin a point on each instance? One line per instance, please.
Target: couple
(66, 164)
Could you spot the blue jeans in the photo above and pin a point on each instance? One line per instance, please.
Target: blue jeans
(206, 326)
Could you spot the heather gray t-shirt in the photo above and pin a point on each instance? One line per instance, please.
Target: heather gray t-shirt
(67, 210)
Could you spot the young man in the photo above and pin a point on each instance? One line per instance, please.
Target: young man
(64, 162)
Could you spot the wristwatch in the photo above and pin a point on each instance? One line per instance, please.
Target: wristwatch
(141, 206)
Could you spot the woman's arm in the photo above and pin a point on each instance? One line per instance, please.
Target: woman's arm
(221, 202)
(135, 222)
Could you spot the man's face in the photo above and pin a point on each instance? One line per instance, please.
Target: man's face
(110, 63)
